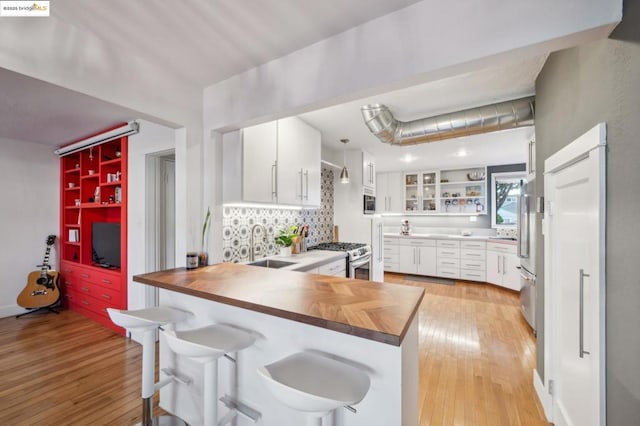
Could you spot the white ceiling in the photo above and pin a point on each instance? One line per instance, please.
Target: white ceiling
(508, 81)
(205, 41)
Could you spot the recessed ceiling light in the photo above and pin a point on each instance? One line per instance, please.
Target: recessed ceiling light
(408, 158)
(461, 153)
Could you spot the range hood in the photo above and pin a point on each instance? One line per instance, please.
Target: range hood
(484, 119)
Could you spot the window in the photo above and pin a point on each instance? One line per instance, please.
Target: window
(505, 191)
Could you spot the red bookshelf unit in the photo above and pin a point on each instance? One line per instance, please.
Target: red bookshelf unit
(93, 185)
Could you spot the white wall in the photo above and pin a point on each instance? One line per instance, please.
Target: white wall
(29, 184)
(422, 42)
(152, 139)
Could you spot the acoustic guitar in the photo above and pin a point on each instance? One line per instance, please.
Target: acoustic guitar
(42, 286)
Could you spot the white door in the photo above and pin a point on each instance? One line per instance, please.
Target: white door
(510, 272)
(408, 261)
(494, 267)
(259, 155)
(574, 279)
(426, 257)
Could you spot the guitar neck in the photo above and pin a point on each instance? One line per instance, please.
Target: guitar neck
(45, 263)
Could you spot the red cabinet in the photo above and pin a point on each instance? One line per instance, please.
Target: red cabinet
(93, 189)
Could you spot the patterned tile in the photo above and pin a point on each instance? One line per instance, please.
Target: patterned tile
(237, 223)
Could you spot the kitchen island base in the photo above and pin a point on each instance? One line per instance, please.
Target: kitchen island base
(391, 400)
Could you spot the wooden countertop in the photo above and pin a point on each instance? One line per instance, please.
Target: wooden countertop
(374, 311)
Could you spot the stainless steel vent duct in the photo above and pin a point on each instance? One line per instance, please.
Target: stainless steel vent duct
(489, 118)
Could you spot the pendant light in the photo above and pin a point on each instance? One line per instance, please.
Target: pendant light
(344, 174)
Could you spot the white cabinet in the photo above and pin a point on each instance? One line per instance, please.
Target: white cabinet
(448, 258)
(420, 191)
(473, 257)
(417, 256)
(337, 268)
(502, 265)
(389, 192)
(281, 163)
(298, 169)
(368, 173)
(391, 254)
(259, 163)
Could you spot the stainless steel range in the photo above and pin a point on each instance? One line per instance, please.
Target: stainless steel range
(358, 257)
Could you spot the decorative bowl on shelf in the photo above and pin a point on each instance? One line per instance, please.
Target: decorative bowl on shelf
(475, 176)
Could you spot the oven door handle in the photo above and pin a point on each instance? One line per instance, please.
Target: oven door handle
(360, 262)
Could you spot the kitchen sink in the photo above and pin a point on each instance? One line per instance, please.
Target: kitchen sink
(271, 263)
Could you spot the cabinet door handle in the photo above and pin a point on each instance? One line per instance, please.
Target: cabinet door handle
(85, 289)
(84, 302)
(581, 322)
(274, 172)
(498, 264)
(106, 281)
(106, 296)
(504, 270)
(380, 242)
(301, 172)
(414, 255)
(306, 175)
(84, 275)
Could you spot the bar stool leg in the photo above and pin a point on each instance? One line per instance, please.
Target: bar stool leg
(210, 392)
(148, 375)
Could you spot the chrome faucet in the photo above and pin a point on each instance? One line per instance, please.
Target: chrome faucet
(252, 249)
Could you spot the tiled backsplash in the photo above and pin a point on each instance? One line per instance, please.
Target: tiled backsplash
(238, 221)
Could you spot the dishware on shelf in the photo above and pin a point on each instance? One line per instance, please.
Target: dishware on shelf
(475, 176)
(71, 184)
(91, 172)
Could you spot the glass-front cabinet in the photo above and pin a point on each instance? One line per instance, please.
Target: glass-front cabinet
(420, 192)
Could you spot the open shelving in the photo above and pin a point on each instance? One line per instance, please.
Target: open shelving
(93, 189)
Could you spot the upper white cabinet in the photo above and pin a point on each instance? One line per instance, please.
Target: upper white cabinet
(389, 192)
(260, 162)
(420, 191)
(281, 163)
(298, 168)
(368, 173)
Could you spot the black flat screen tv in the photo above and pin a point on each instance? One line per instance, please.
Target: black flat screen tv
(105, 244)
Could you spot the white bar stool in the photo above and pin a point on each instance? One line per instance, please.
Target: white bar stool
(207, 345)
(315, 384)
(147, 321)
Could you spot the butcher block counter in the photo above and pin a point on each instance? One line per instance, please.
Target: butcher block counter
(372, 326)
(380, 312)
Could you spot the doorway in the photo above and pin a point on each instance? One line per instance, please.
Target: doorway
(160, 216)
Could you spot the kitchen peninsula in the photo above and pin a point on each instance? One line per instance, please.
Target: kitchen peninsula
(373, 325)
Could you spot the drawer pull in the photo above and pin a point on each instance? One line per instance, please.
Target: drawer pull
(448, 252)
(473, 255)
(448, 263)
(106, 296)
(85, 289)
(84, 302)
(84, 275)
(106, 281)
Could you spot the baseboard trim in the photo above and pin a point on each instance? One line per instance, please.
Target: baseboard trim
(543, 395)
(11, 310)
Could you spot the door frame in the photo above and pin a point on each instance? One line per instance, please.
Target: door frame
(590, 144)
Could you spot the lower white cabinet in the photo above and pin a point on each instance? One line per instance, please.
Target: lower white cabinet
(502, 265)
(448, 258)
(473, 255)
(391, 254)
(417, 256)
(337, 268)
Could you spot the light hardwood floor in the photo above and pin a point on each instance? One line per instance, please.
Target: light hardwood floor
(476, 361)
